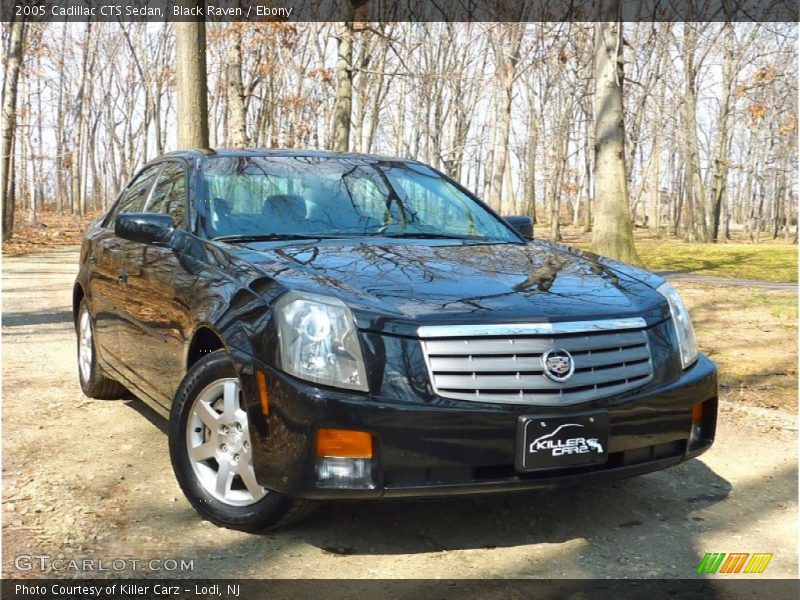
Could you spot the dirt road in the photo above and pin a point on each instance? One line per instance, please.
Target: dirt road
(87, 479)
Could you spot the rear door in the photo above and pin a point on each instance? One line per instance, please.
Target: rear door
(106, 275)
(152, 337)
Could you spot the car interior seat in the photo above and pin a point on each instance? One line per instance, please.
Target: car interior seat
(285, 213)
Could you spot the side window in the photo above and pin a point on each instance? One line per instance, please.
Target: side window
(169, 195)
(135, 196)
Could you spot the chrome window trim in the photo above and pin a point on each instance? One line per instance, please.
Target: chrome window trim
(510, 329)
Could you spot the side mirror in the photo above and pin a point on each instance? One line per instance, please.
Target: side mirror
(523, 225)
(147, 228)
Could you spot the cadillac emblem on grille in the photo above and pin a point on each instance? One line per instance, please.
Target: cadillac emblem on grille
(558, 365)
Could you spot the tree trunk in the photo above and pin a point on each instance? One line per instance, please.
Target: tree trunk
(697, 229)
(78, 191)
(721, 161)
(236, 100)
(507, 57)
(361, 86)
(587, 166)
(777, 213)
(555, 223)
(508, 202)
(23, 177)
(613, 230)
(399, 121)
(560, 163)
(61, 153)
(39, 194)
(13, 62)
(677, 211)
(190, 72)
(379, 96)
(344, 82)
(655, 184)
(488, 167)
(579, 196)
(530, 154)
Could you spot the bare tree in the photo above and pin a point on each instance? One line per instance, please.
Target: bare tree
(695, 188)
(236, 99)
(190, 46)
(506, 43)
(437, 92)
(13, 63)
(344, 81)
(613, 231)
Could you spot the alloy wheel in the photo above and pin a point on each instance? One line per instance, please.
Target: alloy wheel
(219, 447)
(85, 345)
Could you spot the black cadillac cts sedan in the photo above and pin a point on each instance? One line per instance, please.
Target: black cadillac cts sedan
(321, 326)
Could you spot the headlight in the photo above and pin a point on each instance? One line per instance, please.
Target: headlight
(319, 341)
(683, 324)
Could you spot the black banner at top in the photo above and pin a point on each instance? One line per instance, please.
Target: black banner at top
(394, 10)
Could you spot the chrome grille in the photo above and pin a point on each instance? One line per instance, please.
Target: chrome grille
(503, 363)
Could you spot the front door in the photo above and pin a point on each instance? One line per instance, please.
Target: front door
(153, 335)
(107, 271)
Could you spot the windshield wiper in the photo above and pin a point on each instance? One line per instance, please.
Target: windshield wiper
(267, 237)
(434, 236)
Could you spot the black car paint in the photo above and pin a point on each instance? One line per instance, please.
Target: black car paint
(427, 449)
(151, 300)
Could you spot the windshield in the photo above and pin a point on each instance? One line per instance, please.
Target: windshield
(265, 197)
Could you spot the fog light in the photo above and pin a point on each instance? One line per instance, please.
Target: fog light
(349, 473)
(344, 459)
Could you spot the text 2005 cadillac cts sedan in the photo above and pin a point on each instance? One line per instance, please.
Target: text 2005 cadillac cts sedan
(323, 326)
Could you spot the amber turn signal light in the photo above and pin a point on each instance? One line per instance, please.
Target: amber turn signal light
(262, 392)
(697, 414)
(343, 443)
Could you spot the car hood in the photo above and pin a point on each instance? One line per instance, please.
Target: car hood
(397, 285)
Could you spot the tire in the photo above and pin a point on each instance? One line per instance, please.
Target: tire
(94, 382)
(209, 445)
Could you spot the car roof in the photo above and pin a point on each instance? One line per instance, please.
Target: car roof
(207, 153)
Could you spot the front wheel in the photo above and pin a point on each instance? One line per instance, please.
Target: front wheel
(211, 451)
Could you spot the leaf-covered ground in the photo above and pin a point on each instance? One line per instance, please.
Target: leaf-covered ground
(50, 230)
(752, 336)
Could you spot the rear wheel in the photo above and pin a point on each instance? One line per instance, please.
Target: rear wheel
(211, 451)
(94, 383)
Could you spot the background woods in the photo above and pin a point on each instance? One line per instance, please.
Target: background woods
(709, 117)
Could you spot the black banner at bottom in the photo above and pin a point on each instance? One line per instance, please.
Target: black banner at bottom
(335, 589)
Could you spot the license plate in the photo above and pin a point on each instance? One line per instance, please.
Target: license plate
(562, 441)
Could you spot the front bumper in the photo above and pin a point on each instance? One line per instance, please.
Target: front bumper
(450, 447)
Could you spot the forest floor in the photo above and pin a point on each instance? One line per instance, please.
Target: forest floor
(89, 479)
(50, 231)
